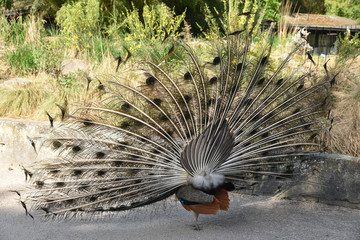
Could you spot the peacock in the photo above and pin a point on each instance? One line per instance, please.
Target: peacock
(190, 127)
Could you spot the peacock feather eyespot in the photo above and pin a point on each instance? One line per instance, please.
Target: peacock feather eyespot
(101, 173)
(56, 144)
(76, 149)
(216, 61)
(157, 101)
(187, 76)
(150, 81)
(88, 122)
(99, 155)
(125, 106)
(213, 80)
(77, 172)
(54, 171)
(59, 184)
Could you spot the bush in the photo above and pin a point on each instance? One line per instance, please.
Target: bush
(147, 32)
(79, 21)
(231, 19)
(68, 80)
(349, 47)
(52, 53)
(24, 59)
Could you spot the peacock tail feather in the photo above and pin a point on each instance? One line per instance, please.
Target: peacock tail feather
(236, 118)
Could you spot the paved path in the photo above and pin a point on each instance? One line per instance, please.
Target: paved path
(249, 217)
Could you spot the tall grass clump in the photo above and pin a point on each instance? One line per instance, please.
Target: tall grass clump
(41, 95)
(284, 27)
(23, 37)
(13, 31)
(24, 59)
(22, 101)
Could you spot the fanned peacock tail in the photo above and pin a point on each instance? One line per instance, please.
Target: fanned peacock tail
(232, 119)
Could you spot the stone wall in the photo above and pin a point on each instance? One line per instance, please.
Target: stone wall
(328, 178)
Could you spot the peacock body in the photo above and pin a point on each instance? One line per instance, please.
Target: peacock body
(209, 128)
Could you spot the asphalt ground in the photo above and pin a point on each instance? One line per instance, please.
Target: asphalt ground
(249, 217)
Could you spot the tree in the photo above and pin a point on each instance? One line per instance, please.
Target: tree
(306, 6)
(345, 8)
(6, 3)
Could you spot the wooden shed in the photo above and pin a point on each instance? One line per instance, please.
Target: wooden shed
(324, 29)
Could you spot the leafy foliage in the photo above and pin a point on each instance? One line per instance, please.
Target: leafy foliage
(238, 17)
(48, 8)
(7, 4)
(146, 32)
(349, 47)
(24, 59)
(346, 8)
(68, 80)
(79, 21)
(314, 6)
(155, 20)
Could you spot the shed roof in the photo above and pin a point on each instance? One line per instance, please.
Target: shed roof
(321, 21)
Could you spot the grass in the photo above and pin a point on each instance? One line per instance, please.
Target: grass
(42, 94)
(345, 134)
(23, 60)
(14, 31)
(37, 53)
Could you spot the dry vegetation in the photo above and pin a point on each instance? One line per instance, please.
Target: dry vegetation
(345, 134)
(48, 87)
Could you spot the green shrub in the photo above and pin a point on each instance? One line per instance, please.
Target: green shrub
(68, 80)
(23, 59)
(6, 3)
(147, 32)
(79, 21)
(231, 19)
(156, 18)
(348, 47)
